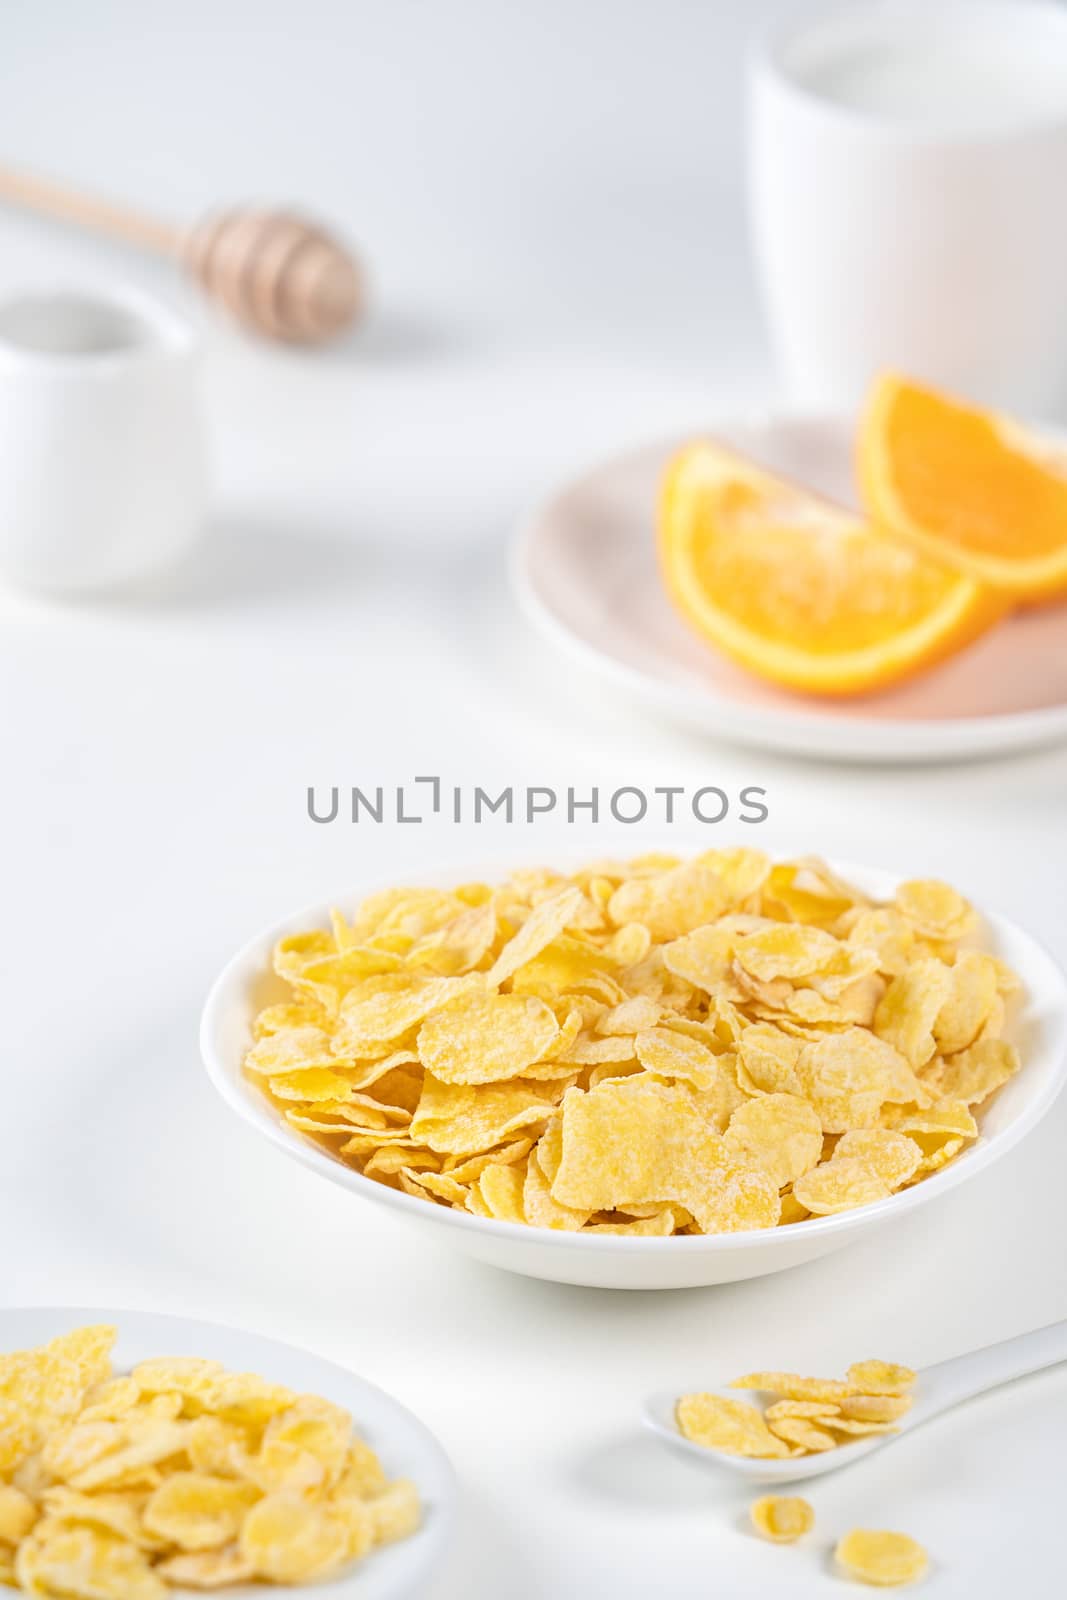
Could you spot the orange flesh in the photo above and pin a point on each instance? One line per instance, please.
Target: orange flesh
(957, 475)
(828, 586)
(799, 591)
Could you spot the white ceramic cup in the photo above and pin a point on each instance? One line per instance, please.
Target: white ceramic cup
(908, 162)
(103, 474)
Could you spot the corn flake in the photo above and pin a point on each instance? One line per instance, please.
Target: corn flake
(881, 1558)
(803, 1434)
(732, 1426)
(881, 1377)
(780, 1131)
(782, 1518)
(487, 1038)
(975, 1074)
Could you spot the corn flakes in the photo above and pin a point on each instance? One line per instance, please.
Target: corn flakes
(179, 1473)
(698, 1046)
(809, 1414)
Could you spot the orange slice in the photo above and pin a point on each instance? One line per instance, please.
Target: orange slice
(800, 591)
(968, 487)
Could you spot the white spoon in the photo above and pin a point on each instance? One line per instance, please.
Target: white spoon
(938, 1388)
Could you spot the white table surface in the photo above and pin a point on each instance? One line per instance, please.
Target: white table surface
(550, 196)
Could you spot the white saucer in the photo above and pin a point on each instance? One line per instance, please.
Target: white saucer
(585, 572)
(407, 1448)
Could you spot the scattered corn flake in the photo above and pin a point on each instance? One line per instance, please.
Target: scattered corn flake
(782, 1518)
(881, 1558)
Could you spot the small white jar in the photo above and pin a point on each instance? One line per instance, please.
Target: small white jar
(103, 467)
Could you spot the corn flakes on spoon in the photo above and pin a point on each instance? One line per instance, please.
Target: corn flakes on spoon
(808, 1426)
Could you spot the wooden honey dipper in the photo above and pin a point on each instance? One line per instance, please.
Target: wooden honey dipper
(277, 274)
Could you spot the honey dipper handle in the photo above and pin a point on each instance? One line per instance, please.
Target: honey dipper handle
(86, 211)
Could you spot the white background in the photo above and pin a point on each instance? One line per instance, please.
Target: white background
(550, 196)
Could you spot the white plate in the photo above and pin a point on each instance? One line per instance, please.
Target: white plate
(609, 1261)
(585, 572)
(407, 1449)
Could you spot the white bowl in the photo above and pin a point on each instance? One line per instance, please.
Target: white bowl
(406, 1447)
(608, 1261)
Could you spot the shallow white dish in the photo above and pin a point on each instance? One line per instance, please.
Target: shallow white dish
(585, 573)
(247, 983)
(407, 1448)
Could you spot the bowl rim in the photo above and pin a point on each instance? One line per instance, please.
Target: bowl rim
(254, 1109)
